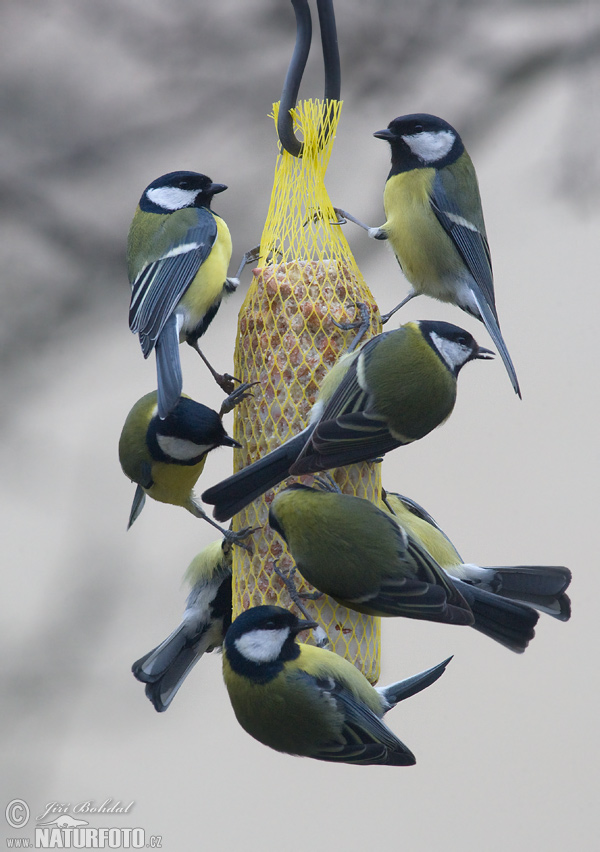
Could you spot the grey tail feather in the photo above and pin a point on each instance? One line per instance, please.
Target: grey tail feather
(403, 689)
(541, 586)
(531, 579)
(139, 499)
(557, 606)
(168, 368)
(510, 623)
(156, 662)
(234, 493)
(164, 669)
(491, 323)
(161, 692)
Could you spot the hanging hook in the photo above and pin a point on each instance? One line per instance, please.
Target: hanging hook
(331, 61)
(331, 53)
(291, 86)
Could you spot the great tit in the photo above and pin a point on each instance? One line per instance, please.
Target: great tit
(435, 222)
(205, 621)
(166, 457)
(308, 701)
(393, 390)
(540, 586)
(366, 560)
(178, 252)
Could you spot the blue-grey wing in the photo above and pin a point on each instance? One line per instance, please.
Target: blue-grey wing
(468, 237)
(364, 738)
(348, 439)
(160, 286)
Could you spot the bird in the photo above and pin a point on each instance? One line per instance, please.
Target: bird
(393, 390)
(308, 701)
(166, 457)
(206, 619)
(434, 221)
(178, 252)
(542, 587)
(364, 558)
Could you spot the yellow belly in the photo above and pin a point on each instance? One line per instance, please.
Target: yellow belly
(423, 249)
(206, 289)
(174, 483)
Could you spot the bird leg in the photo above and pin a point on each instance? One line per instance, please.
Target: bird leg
(229, 535)
(386, 317)
(224, 380)
(343, 217)
(362, 325)
(238, 395)
(251, 256)
(296, 598)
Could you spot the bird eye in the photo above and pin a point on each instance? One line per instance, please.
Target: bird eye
(183, 184)
(418, 128)
(463, 339)
(270, 625)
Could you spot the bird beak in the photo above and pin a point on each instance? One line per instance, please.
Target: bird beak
(484, 354)
(305, 625)
(384, 134)
(217, 187)
(230, 442)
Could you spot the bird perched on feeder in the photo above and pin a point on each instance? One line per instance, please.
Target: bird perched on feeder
(205, 621)
(308, 701)
(166, 457)
(365, 559)
(540, 586)
(393, 390)
(178, 252)
(435, 221)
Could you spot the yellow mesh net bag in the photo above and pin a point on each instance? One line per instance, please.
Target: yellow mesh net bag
(287, 341)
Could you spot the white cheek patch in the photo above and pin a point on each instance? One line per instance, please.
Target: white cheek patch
(453, 353)
(180, 448)
(262, 646)
(429, 145)
(171, 197)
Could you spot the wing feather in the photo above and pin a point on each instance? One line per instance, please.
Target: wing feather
(470, 241)
(160, 286)
(365, 739)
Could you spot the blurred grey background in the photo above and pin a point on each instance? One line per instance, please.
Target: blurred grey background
(97, 99)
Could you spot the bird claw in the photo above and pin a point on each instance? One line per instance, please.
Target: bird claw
(342, 217)
(236, 396)
(310, 596)
(286, 578)
(226, 382)
(251, 256)
(295, 596)
(239, 537)
(320, 636)
(318, 216)
(362, 324)
(326, 481)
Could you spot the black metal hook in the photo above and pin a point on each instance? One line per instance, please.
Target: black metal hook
(331, 62)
